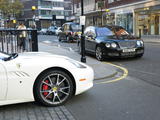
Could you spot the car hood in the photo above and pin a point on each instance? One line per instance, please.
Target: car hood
(34, 55)
(107, 39)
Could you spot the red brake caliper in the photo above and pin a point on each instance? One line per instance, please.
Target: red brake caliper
(45, 87)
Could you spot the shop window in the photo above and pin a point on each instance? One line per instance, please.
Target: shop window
(110, 1)
(144, 27)
(126, 21)
(157, 24)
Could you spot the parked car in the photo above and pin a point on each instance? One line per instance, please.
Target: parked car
(112, 41)
(43, 31)
(70, 32)
(51, 30)
(58, 30)
(46, 78)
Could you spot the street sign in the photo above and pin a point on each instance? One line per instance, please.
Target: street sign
(82, 20)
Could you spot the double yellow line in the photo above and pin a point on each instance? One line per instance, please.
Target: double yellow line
(124, 75)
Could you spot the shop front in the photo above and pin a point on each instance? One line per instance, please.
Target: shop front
(123, 16)
(147, 21)
(109, 18)
(94, 18)
(125, 20)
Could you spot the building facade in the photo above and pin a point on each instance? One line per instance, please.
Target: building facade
(93, 10)
(139, 17)
(47, 12)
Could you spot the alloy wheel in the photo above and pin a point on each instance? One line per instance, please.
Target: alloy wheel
(55, 89)
(99, 54)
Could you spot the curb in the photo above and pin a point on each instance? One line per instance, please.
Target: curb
(151, 41)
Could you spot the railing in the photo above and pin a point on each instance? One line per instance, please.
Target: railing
(12, 41)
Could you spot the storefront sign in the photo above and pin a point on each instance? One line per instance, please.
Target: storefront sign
(82, 20)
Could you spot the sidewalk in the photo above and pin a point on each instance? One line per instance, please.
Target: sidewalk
(101, 70)
(151, 39)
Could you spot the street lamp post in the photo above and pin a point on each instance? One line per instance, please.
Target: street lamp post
(34, 9)
(83, 58)
(107, 14)
(102, 12)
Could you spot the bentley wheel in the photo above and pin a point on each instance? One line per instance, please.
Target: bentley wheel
(139, 56)
(99, 54)
(53, 88)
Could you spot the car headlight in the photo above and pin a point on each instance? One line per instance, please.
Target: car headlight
(108, 45)
(113, 45)
(140, 43)
(75, 63)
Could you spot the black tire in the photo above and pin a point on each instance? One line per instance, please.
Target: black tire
(99, 53)
(59, 38)
(53, 88)
(139, 56)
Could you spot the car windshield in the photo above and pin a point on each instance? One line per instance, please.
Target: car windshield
(3, 56)
(52, 27)
(76, 27)
(104, 32)
(119, 31)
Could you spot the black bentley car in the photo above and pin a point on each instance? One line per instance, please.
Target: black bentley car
(112, 41)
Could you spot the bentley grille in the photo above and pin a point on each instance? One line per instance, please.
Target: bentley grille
(127, 44)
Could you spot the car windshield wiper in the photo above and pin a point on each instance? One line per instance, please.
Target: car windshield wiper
(112, 36)
(12, 56)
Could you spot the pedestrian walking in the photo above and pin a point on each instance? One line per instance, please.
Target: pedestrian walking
(22, 37)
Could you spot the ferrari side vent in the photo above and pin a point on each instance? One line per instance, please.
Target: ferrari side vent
(19, 73)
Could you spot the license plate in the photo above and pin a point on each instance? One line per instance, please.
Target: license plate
(129, 50)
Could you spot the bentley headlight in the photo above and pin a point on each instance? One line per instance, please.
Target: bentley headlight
(140, 43)
(113, 45)
(75, 63)
(108, 45)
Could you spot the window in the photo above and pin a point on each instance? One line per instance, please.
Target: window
(110, 1)
(45, 12)
(104, 32)
(66, 27)
(67, 13)
(76, 27)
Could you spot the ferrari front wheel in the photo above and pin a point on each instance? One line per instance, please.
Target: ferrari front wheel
(53, 88)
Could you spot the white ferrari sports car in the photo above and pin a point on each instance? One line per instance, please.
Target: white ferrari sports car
(46, 78)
